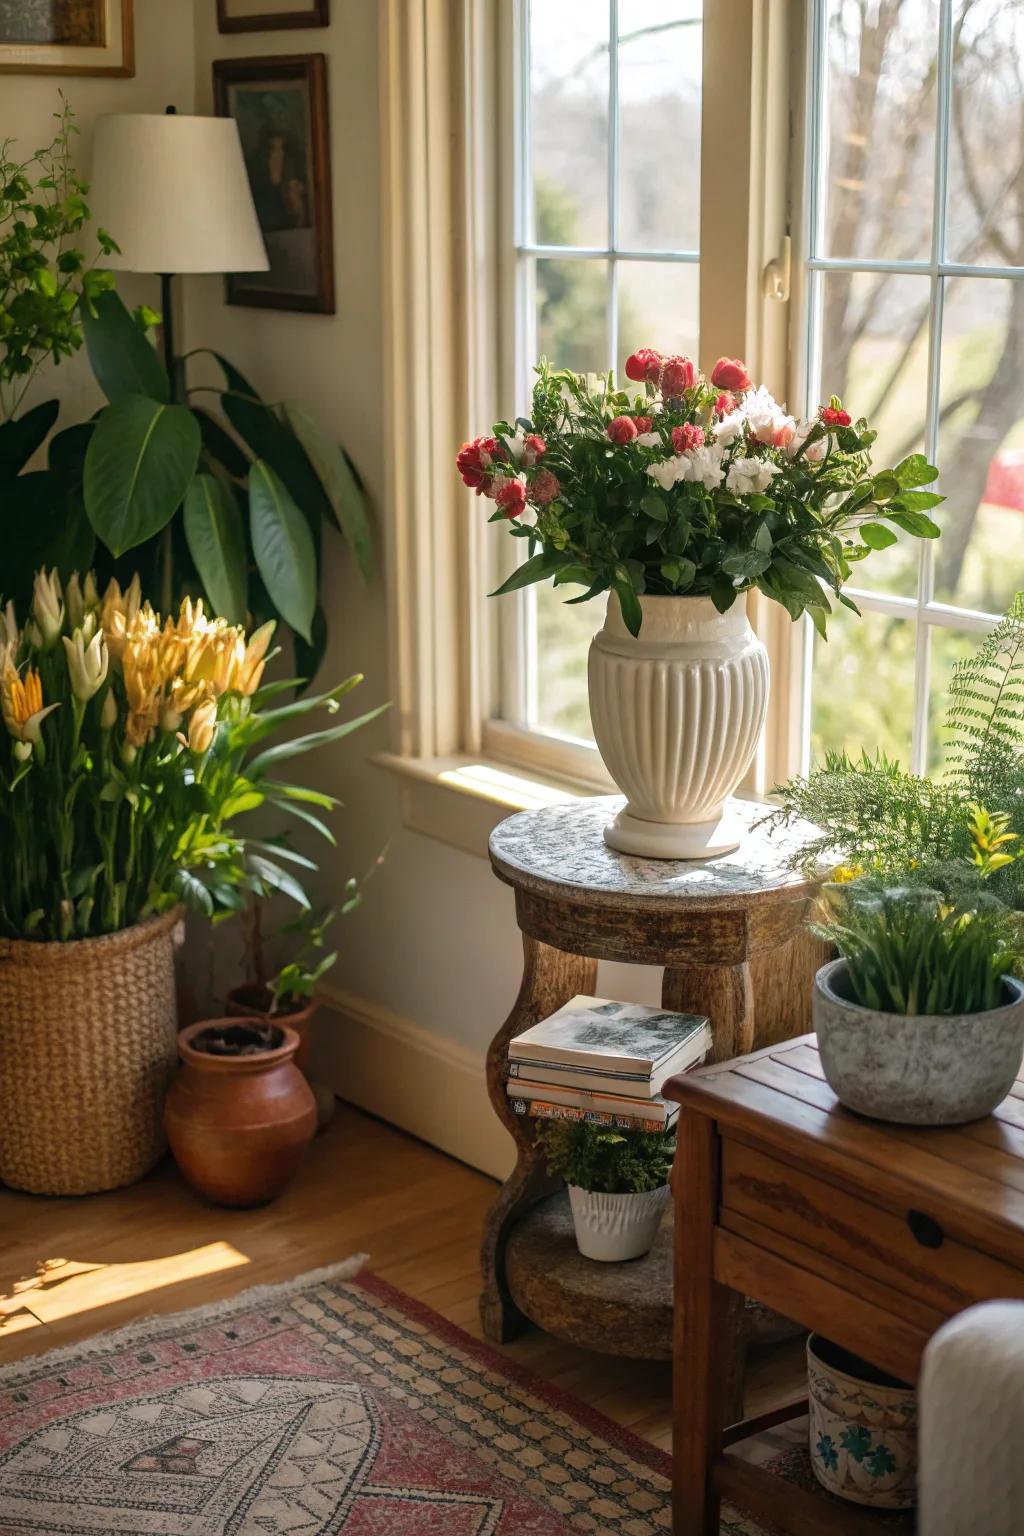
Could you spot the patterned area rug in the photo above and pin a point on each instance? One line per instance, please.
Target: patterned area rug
(331, 1404)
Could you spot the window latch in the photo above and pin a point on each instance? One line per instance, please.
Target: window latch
(775, 278)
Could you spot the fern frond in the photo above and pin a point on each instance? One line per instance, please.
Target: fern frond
(985, 717)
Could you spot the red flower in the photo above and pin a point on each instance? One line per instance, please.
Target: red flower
(474, 461)
(545, 487)
(678, 374)
(643, 366)
(643, 423)
(686, 437)
(833, 418)
(622, 430)
(730, 373)
(511, 498)
(726, 403)
(534, 448)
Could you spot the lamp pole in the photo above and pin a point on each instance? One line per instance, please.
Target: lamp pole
(167, 337)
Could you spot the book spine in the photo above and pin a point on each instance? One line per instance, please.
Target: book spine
(536, 1109)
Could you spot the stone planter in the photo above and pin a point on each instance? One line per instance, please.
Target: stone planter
(87, 1051)
(862, 1429)
(916, 1070)
(239, 1125)
(616, 1227)
(677, 716)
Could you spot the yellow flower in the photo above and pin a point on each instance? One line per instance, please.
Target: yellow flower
(117, 611)
(202, 726)
(250, 670)
(844, 873)
(21, 701)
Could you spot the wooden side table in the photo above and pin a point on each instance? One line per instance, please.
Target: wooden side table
(873, 1234)
(729, 934)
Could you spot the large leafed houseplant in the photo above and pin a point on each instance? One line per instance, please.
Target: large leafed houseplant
(678, 497)
(134, 754)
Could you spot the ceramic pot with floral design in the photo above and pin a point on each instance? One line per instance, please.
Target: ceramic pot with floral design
(862, 1427)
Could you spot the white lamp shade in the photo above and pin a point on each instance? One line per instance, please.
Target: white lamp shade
(174, 193)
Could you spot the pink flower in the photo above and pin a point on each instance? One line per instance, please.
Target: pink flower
(726, 403)
(511, 498)
(534, 448)
(622, 430)
(677, 375)
(730, 373)
(833, 418)
(545, 487)
(474, 461)
(643, 423)
(687, 437)
(643, 366)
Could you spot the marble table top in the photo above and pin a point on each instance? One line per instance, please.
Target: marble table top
(560, 848)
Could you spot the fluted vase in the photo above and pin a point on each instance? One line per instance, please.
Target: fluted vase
(677, 715)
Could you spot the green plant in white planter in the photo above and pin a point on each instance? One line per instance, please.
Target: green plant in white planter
(618, 1183)
(920, 1020)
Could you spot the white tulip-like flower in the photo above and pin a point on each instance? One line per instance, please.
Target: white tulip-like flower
(729, 428)
(704, 467)
(666, 472)
(47, 608)
(749, 477)
(649, 439)
(87, 664)
(81, 599)
(108, 714)
(10, 635)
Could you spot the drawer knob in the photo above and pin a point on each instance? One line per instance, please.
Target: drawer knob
(925, 1229)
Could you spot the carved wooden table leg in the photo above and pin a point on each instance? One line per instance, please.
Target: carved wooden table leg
(722, 992)
(550, 978)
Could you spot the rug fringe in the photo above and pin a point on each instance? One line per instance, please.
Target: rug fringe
(210, 1312)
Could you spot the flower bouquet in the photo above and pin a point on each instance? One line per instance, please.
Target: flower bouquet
(678, 496)
(134, 748)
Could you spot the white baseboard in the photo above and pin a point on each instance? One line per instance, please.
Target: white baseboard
(411, 1077)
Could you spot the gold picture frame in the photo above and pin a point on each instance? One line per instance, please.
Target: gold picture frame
(67, 37)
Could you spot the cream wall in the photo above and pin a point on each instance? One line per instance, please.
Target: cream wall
(431, 963)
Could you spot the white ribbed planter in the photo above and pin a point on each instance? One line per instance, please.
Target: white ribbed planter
(677, 716)
(616, 1227)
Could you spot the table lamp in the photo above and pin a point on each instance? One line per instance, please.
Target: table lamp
(173, 192)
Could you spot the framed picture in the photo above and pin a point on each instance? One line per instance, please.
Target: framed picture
(270, 15)
(280, 106)
(67, 37)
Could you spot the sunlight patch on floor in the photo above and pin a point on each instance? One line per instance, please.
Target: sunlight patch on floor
(63, 1287)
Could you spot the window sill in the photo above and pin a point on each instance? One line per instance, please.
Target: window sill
(461, 799)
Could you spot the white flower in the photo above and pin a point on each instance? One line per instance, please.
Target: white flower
(667, 471)
(87, 663)
(47, 607)
(649, 439)
(9, 631)
(767, 420)
(749, 477)
(706, 467)
(817, 450)
(729, 428)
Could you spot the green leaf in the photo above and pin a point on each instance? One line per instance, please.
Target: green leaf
(884, 486)
(918, 501)
(216, 541)
(300, 744)
(877, 536)
(283, 546)
(123, 359)
(20, 438)
(654, 505)
(221, 446)
(66, 452)
(915, 470)
(632, 613)
(192, 891)
(33, 514)
(277, 879)
(308, 657)
(916, 523)
(333, 471)
(138, 466)
(746, 563)
(535, 569)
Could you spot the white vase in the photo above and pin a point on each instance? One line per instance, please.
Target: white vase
(616, 1227)
(677, 716)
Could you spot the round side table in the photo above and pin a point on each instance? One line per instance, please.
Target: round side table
(730, 935)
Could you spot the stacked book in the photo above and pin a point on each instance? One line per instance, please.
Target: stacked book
(605, 1062)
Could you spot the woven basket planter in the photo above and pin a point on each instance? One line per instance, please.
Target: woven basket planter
(88, 1046)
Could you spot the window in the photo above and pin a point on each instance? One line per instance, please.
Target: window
(915, 316)
(607, 225)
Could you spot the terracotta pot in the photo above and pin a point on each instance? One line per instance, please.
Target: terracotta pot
(252, 1001)
(239, 1125)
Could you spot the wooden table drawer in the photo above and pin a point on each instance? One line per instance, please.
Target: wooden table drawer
(910, 1250)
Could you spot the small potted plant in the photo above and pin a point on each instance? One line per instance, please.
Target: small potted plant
(618, 1184)
(920, 1020)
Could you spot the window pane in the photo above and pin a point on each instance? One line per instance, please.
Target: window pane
(986, 212)
(880, 128)
(563, 640)
(658, 307)
(659, 105)
(863, 686)
(979, 560)
(874, 349)
(569, 122)
(572, 300)
(948, 647)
